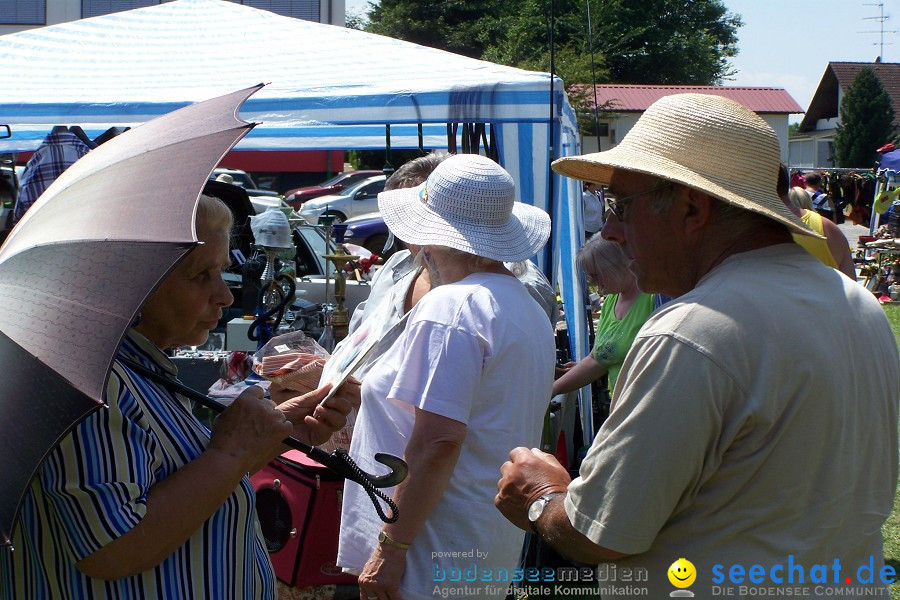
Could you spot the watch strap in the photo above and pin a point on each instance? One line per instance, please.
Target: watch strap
(546, 498)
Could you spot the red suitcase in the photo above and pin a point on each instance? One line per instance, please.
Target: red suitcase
(298, 502)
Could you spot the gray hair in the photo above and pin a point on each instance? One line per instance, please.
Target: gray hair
(602, 257)
(414, 172)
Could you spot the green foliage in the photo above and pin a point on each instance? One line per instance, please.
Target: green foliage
(376, 159)
(666, 41)
(652, 41)
(462, 26)
(866, 123)
(793, 129)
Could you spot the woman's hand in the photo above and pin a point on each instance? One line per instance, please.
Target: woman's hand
(560, 370)
(381, 576)
(250, 431)
(314, 424)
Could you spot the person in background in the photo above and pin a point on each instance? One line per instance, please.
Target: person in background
(821, 202)
(742, 432)
(402, 281)
(593, 209)
(141, 500)
(471, 372)
(834, 250)
(624, 311)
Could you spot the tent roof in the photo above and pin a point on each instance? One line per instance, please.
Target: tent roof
(125, 68)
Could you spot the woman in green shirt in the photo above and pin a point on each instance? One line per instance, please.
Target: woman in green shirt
(624, 311)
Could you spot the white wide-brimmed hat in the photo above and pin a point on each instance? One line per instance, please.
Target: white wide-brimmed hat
(703, 141)
(467, 203)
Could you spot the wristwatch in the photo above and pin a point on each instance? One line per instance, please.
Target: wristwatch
(537, 508)
(383, 538)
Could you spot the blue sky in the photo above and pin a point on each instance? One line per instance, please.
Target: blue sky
(788, 43)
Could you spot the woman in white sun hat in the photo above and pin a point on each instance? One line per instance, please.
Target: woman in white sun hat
(468, 379)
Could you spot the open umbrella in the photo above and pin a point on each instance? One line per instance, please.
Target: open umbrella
(82, 261)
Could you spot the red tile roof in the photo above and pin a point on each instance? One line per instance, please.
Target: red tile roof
(839, 76)
(630, 98)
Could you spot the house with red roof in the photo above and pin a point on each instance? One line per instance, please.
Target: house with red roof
(814, 144)
(621, 105)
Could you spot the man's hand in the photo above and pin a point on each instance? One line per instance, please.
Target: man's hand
(525, 477)
(314, 424)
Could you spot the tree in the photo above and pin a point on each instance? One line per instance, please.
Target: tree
(461, 26)
(866, 123)
(652, 41)
(666, 41)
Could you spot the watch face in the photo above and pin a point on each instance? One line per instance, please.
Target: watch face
(536, 508)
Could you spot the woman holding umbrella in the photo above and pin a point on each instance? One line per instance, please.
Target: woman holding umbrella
(140, 500)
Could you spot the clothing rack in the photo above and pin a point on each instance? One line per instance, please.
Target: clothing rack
(833, 169)
(885, 179)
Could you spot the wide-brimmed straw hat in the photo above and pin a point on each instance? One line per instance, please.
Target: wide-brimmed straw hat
(467, 203)
(705, 142)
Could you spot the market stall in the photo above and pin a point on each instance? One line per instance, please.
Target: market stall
(330, 88)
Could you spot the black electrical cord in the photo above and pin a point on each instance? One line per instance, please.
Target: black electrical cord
(278, 308)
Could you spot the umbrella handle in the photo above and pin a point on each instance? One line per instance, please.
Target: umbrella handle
(338, 461)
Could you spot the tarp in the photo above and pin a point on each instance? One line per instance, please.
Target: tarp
(329, 88)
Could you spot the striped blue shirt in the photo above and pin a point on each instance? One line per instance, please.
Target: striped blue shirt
(93, 488)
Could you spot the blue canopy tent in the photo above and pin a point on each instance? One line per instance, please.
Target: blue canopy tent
(329, 88)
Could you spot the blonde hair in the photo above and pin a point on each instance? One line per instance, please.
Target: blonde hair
(800, 198)
(213, 216)
(602, 257)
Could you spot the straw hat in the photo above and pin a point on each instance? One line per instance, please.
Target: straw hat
(467, 203)
(705, 142)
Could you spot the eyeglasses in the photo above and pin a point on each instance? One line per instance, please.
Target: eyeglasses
(617, 206)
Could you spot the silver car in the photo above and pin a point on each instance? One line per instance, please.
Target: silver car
(356, 200)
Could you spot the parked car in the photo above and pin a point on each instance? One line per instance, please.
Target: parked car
(241, 178)
(298, 196)
(353, 201)
(371, 233)
(9, 191)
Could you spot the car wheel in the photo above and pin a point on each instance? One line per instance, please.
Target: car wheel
(338, 217)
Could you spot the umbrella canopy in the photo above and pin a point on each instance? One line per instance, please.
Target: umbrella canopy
(82, 261)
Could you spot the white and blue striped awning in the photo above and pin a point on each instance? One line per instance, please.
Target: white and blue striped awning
(329, 88)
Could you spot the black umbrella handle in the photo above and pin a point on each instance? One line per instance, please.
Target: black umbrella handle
(338, 461)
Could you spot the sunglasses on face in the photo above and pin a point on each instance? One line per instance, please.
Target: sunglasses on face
(617, 205)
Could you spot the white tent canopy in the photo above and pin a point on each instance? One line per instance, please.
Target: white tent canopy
(329, 88)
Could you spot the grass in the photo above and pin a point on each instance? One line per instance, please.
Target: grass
(891, 528)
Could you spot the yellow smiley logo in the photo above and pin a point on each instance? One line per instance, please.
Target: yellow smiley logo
(682, 573)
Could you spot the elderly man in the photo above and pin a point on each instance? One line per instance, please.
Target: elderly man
(745, 436)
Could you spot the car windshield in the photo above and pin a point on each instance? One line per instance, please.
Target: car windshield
(333, 180)
(350, 189)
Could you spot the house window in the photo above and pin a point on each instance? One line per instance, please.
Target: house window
(95, 8)
(603, 129)
(23, 12)
(298, 9)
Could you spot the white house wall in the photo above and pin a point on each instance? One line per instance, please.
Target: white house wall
(63, 11)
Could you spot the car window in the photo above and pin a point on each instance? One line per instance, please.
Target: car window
(340, 177)
(310, 245)
(371, 190)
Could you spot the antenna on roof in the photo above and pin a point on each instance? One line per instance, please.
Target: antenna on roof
(881, 18)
